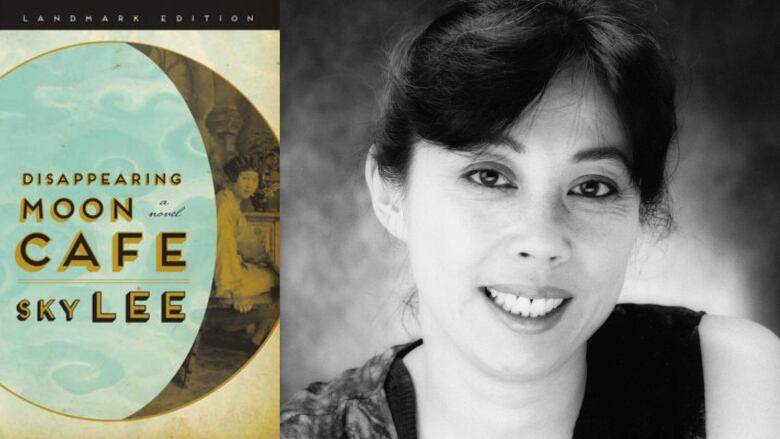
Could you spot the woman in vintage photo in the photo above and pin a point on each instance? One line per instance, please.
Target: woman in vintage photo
(521, 153)
(241, 275)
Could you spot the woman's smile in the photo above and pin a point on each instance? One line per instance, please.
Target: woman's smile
(528, 310)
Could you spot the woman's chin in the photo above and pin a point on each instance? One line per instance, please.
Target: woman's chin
(528, 360)
(524, 346)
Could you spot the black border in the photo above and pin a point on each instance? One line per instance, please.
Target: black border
(138, 15)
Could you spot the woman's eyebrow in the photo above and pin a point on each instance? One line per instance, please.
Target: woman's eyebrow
(606, 152)
(511, 144)
(496, 148)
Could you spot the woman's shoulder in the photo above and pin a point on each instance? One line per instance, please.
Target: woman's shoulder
(741, 361)
(731, 335)
(354, 402)
(228, 206)
(225, 196)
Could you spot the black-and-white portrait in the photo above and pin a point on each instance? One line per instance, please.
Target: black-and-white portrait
(530, 218)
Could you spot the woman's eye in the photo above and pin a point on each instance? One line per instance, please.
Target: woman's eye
(593, 189)
(489, 178)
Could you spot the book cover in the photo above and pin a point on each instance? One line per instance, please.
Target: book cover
(139, 286)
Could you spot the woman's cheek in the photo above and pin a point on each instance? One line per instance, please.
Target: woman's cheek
(608, 222)
(438, 235)
(604, 234)
(446, 240)
(603, 250)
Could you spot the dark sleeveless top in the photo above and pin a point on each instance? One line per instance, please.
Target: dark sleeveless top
(644, 380)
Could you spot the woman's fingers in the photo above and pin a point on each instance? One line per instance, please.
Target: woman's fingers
(242, 305)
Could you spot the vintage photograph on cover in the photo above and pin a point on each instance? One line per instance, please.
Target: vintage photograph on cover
(244, 159)
(530, 218)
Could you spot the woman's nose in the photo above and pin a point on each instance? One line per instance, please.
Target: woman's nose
(539, 235)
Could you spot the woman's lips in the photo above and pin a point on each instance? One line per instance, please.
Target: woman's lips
(546, 292)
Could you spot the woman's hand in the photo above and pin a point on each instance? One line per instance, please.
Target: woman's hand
(242, 304)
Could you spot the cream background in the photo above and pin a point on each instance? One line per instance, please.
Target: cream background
(247, 406)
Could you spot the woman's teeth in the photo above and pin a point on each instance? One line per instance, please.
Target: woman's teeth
(523, 306)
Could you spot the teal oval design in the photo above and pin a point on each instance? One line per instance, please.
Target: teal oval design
(101, 109)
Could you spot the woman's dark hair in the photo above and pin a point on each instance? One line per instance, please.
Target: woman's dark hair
(239, 164)
(463, 81)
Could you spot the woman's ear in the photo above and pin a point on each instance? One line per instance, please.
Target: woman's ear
(385, 199)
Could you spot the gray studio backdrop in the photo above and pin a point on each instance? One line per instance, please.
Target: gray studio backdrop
(344, 278)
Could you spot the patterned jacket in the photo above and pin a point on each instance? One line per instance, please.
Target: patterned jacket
(352, 406)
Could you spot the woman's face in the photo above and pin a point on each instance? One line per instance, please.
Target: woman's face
(519, 250)
(246, 184)
(272, 161)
